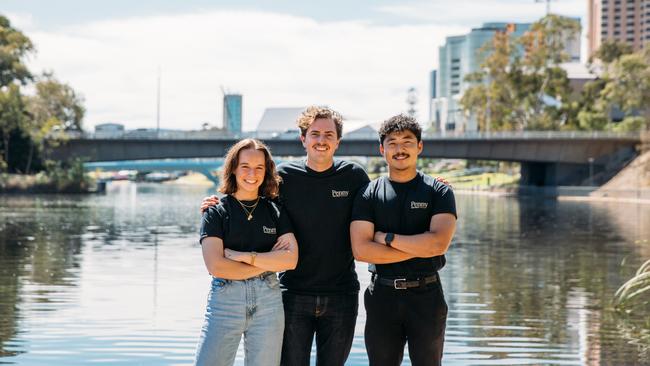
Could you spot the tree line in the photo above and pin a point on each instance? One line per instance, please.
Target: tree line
(521, 84)
(31, 121)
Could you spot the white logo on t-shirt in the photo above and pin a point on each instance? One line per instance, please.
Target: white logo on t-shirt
(418, 204)
(340, 193)
(268, 230)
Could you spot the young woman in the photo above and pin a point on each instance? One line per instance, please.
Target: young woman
(245, 239)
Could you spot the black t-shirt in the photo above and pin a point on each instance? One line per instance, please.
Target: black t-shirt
(404, 208)
(229, 222)
(320, 206)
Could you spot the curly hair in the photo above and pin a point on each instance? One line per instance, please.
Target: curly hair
(270, 187)
(400, 123)
(312, 113)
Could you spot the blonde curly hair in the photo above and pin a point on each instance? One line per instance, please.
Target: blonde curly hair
(312, 113)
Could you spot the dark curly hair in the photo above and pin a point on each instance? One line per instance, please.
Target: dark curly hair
(400, 123)
(270, 187)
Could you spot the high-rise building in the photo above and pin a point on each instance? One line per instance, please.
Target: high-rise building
(457, 58)
(460, 56)
(623, 20)
(232, 112)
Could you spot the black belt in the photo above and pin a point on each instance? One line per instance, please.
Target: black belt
(403, 283)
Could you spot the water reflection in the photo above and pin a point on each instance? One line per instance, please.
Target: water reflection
(118, 279)
(532, 279)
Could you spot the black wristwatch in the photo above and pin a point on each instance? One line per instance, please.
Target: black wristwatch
(389, 238)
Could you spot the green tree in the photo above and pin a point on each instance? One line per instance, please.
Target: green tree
(521, 84)
(491, 97)
(628, 87)
(12, 116)
(55, 106)
(14, 48)
(611, 50)
(55, 100)
(624, 85)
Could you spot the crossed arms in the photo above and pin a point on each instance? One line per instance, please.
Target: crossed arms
(234, 265)
(369, 246)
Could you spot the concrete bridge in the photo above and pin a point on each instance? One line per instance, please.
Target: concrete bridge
(547, 158)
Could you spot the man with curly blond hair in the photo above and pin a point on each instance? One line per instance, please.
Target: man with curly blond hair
(320, 295)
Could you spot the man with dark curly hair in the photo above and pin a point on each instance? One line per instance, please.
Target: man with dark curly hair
(403, 224)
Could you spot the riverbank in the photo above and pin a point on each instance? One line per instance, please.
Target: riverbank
(44, 183)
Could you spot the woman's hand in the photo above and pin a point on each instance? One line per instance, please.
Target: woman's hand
(237, 256)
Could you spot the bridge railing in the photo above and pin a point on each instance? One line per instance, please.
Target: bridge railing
(267, 135)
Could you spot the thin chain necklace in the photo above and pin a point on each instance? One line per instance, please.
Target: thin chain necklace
(249, 213)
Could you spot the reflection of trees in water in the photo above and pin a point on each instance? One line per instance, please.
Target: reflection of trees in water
(9, 272)
(40, 246)
(535, 259)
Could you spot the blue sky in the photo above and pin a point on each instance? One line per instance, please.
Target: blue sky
(359, 57)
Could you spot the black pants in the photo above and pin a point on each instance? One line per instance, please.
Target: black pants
(416, 315)
(331, 318)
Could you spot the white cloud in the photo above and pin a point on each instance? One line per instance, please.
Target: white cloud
(359, 68)
(272, 59)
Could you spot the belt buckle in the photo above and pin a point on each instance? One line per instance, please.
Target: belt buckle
(397, 282)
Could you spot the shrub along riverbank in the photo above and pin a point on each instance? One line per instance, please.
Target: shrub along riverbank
(54, 179)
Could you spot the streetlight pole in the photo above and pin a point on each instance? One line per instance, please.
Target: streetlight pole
(591, 171)
(158, 105)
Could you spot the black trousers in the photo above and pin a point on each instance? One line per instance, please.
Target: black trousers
(394, 317)
(330, 317)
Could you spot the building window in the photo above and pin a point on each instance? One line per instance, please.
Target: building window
(455, 68)
(456, 60)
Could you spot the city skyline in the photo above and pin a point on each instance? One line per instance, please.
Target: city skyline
(360, 59)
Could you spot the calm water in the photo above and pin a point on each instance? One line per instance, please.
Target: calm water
(118, 279)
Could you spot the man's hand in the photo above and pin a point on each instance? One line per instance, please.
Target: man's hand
(380, 237)
(439, 179)
(283, 243)
(209, 202)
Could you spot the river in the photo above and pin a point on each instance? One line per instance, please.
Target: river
(118, 279)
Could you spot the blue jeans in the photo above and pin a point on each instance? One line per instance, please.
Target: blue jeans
(252, 308)
(331, 317)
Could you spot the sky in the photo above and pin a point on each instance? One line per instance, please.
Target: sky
(359, 57)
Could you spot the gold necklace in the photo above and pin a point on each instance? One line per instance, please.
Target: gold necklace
(244, 207)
